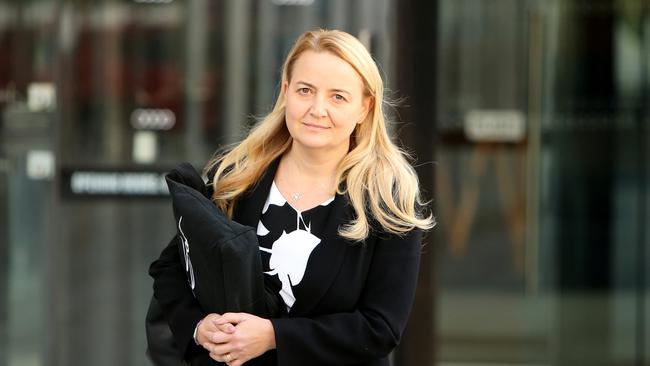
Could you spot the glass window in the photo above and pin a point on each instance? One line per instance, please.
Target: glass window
(542, 182)
(122, 86)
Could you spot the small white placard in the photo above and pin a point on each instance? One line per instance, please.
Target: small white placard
(292, 2)
(495, 125)
(153, 119)
(40, 164)
(41, 96)
(145, 147)
(153, 1)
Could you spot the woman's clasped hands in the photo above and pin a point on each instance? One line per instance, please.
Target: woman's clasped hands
(235, 338)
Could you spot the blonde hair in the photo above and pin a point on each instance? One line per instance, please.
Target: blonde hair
(381, 185)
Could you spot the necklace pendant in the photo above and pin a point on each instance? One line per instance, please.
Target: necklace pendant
(296, 196)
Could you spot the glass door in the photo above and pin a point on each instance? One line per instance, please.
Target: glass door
(542, 182)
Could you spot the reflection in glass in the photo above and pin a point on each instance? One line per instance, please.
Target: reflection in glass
(544, 238)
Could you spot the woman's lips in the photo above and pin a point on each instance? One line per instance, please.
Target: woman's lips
(314, 126)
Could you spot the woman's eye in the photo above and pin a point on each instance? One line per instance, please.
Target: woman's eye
(339, 97)
(304, 90)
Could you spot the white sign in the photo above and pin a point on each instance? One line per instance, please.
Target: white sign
(495, 125)
(293, 2)
(41, 96)
(117, 183)
(153, 1)
(153, 119)
(40, 164)
(145, 147)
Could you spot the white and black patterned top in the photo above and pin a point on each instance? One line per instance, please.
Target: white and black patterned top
(287, 238)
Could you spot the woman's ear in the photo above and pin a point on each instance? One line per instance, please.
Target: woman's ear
(368, 103)
(285, 87)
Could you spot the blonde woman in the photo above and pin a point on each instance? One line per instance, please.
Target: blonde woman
(336, 207)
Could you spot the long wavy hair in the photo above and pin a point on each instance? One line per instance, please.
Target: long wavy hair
(381, 185)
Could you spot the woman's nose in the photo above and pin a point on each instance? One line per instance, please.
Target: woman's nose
(318, 109)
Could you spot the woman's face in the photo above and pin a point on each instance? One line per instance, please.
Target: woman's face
(324, 102)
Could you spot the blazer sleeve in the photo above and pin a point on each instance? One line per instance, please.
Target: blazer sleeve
(176, 300)
(374, 328)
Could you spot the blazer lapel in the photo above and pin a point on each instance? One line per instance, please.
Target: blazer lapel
(249, 207)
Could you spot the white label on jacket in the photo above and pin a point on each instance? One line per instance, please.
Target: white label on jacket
(186, 255)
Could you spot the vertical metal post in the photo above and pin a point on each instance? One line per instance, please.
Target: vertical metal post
(267, 65)
(237, 66)
(195, 66)
(643, 152)
(533, 158)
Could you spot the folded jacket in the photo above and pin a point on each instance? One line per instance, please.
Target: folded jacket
(221, 257)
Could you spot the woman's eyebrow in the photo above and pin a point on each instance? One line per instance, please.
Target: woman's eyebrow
(306, 84)
(341, 91)
(314, 87)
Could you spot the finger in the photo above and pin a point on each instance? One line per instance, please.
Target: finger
(226, 327)
(233, 360)
(214, 335)
(222, 357)
(216, 357)
(212, 316)
(221, 349)
(209, 324)
(219, 337)
(226, 358)
(233, 318)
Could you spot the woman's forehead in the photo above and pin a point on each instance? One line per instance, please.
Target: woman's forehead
(325, 70)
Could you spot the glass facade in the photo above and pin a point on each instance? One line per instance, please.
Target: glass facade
(94, 90)
(529, 118)
(542, 182)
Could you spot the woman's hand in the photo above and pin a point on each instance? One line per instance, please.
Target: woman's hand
(209, 334)
(250, 337)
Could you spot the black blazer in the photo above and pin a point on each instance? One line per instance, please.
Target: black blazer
(360, 294)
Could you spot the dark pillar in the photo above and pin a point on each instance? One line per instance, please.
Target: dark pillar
(643, 231)
(416, 47)
(584, 141)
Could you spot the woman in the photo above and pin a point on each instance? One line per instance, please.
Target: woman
(335, 204)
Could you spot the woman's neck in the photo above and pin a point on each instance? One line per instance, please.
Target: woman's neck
(312, 163)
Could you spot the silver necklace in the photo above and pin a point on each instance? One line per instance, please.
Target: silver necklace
(297, 196)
